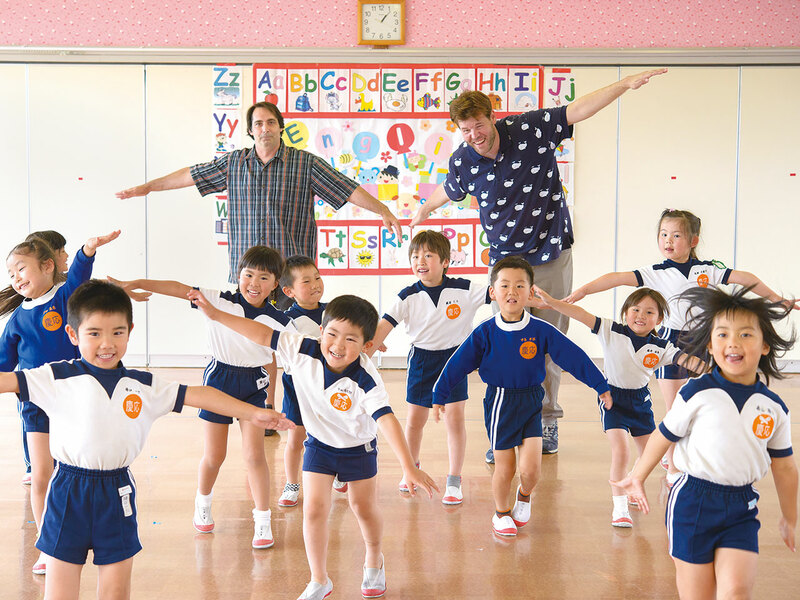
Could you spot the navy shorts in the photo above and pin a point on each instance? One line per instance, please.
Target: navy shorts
(34, 419)
(671, 371)
(348, 464)
(290, 406)
(87, 509)
(424, 368)
(703, 516)
(511, 415)
(248, 384)
(632, 410)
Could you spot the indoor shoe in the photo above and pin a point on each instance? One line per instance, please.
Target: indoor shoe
(452, 495)
(339, 486)
(317, 591)
(374, 583)
(521, 513)
(202, 520)
(504, 526)
(621, 519)
(40, 566)
(289, 496)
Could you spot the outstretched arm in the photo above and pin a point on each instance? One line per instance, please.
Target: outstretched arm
(360, 197)
(566, 309)
(438, 199)
(759, 287)
(633, 484)
(211, 399)
(586, 106)
(179, 179)
(93, 243)
(603, 283)
(9, 383)
(391, 430)
(784, 472)
(252, 330)
(165, 288)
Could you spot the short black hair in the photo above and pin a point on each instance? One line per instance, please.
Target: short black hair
(262, 258)
(709, 302)
(97, 296)
(511, 262)
(51, 237)
(354, 310)
(293, 263)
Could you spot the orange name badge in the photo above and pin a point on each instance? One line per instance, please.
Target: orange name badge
(650, 360)
(763, 426)
(702, 280)
(453, 310)
(52, 321)
(341, 401)
(132, 405)
(527, 350)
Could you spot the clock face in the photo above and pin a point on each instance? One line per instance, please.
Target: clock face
(381, 22)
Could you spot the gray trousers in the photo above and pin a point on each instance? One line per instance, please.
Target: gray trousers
(555, 278)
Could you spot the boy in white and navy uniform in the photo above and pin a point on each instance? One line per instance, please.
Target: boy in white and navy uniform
(438, 312)
(670, 279)
(100, 414)
(343, 403)
(725, 436)
(509, 351)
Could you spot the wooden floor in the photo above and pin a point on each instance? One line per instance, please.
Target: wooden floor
(568, 551)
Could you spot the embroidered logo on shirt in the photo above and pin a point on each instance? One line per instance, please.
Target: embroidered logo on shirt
(341, 401)
(132, 405)
(527, 349)
(702, 280)
(452, 311)
(763, 426)
(52, 320)
(650, 360)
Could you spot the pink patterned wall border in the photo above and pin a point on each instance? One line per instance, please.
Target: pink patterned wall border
(430, 24)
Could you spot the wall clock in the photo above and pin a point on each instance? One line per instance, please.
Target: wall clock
(381, 23)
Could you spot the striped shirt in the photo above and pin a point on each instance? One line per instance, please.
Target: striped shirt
(273, 203)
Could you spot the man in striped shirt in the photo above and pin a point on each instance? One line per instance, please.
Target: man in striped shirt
(271, 189)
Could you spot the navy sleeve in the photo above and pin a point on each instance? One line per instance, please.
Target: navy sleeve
(24, 394)
(464, 361)
(386, 410)
(9, 358)
(639, 280)
(597, 322)
(79, 271)
(667, 433)
(570, 357)
(387, 317)
(179, 399)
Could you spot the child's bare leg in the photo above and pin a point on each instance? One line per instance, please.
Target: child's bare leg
(530, 463)
(620, 456)
(505, 465)
(695, 582)
(669, 389)
(256, 463)
(456, 436)
(114, 580)
(293, 454)
(316, 507)
(41, 471)
(215, 447)
(735, 572)
(363, 499)
(417, 417)
(63, 580)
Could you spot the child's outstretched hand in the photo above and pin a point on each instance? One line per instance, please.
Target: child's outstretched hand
(130, 288)
(791, 303)
(787, 533)
(575, 296)
(417, 477)
(542, 299)
(605, 397)
(92, 244)
(635, 489)
(271, 419)
(204, 305)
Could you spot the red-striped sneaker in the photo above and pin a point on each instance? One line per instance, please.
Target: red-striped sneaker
(521, 513)
(202, 520)
(317, 591)
(504, 526)
(40, 566)
(373, 585)
(339, 486)
(452, 495)
(621, 519)
(291, 492)
(262, 532)
(26, 478)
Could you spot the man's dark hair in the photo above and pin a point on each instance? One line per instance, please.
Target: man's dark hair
(270, 107)
(354, 310)
(97, 296)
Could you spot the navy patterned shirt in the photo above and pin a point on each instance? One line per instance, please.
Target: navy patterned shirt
(522, 205)
(273, 203)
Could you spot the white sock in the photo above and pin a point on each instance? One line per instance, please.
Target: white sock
(204, 500)
(620, 503)
(261, 516)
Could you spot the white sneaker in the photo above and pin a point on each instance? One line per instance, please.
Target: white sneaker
(504, 526)
(262, 532)
(452, 495)
(26, 478)
(40, 566)
(521, 513)
(403, 486)
(317, 591)
(621, 518)
(373, 585)
(672, 478)
(202, 520)
(289, 497)
(339, 486)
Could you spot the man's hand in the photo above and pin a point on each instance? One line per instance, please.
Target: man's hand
(134, 192)
(634, 82)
